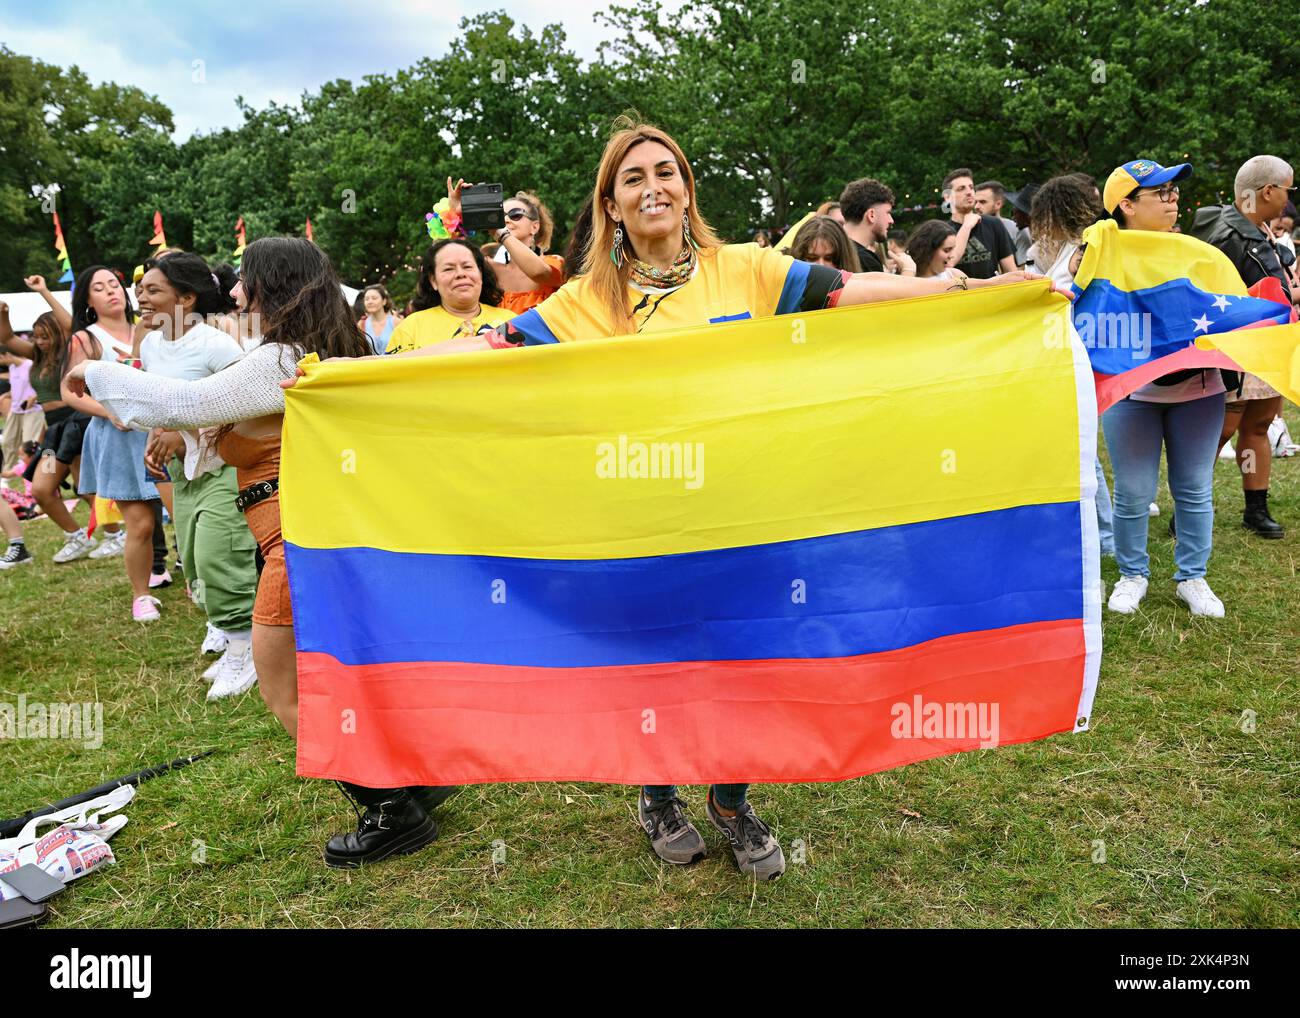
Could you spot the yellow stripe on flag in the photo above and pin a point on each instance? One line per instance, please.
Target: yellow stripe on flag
(1272, 353)
(794, 427)
(1148, 258)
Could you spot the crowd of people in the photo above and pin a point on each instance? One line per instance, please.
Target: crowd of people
(169, 397)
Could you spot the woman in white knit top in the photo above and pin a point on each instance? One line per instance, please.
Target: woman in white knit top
(289, 284)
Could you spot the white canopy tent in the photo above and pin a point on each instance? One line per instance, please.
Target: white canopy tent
(25, 307)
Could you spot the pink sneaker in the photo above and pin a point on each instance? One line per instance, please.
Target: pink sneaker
(162, 579)
(145, 608)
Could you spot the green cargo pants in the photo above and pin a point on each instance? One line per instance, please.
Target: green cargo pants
(217, 548)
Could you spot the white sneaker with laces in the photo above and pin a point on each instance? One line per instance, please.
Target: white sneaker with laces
(75, 546)
(1127, 595)
(113, 544)
(237, 673)
(215, 641)
(1200, 598)
(213, 670)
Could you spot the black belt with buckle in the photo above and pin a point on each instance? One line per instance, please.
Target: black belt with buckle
(255, 493)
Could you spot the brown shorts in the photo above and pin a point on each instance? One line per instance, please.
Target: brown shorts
(271, 606)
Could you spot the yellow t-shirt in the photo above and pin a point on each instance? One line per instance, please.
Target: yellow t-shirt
(730, 283)
(436, 325)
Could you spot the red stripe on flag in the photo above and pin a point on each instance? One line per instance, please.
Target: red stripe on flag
(824, 719)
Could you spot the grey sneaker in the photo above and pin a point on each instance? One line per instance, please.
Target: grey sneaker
(756, 851)
(671, 833)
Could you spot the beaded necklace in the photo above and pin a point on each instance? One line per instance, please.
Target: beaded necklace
(681, 270)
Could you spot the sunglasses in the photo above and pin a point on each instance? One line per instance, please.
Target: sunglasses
(514, 215)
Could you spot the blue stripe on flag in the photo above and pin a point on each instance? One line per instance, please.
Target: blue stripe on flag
(835, 596)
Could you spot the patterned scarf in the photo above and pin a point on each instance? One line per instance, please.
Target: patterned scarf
(646, 275)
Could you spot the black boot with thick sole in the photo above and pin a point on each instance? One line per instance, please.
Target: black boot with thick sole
(394, 823)
(1257, 518)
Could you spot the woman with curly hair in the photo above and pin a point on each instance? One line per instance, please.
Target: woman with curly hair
(1062, 209)
(457, 296)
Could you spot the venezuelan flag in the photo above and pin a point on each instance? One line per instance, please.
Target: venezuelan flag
(786, 549)
(1144, 299)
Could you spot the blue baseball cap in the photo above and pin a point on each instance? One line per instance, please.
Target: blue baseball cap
(1124, 180)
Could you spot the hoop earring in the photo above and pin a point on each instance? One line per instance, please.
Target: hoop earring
(616, 251)
(686, 231)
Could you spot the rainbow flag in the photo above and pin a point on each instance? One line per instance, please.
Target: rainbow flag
(1144, 299)
(61, 246)
(803, 548)
(159, 238)
(241, 242)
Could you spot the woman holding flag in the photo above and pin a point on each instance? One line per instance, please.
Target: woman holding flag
(1182, 412)
(290, 284)
(654, 263)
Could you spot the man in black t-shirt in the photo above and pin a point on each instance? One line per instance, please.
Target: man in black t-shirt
(868, 207)
(983, 247)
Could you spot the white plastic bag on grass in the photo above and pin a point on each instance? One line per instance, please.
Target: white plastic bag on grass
(75, 840)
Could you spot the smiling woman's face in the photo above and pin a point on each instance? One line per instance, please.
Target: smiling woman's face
(649, 193)
(456, 276)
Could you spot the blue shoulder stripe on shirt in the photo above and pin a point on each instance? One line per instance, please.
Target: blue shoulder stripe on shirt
(532, 327)
(796, 281)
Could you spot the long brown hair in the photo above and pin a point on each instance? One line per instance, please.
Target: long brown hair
(55, 363)
(607, 279)
(298, 297)
(824, 228)
(300, 303)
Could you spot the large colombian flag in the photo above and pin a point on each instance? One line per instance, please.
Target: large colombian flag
(1151, 304)
(786, 549)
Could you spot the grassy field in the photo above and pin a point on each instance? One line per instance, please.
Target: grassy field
(1197, 817)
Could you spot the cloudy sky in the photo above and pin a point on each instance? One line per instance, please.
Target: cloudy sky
(271, 51)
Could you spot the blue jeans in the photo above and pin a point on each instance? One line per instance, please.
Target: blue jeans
(1105, 514)
(1189, 431)
(727, 796)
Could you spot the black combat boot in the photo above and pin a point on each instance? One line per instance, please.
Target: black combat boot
(394, 823)
(1256, 516)
(432, 796)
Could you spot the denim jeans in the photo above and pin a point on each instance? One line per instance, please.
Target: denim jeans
(726, 796)
(1105, 514)
(1189, 431)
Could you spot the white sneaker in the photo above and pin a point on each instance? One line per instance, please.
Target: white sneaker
(215, 641)
(237, 673)
(1127, 595)
(1200, 598)
(75, 546)
(213, 670)
(113, 544)
(1153, 509)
